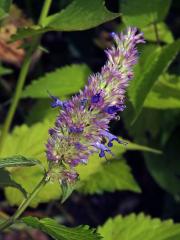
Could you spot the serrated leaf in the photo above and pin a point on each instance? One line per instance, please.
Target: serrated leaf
(164, 33)
(60, 232)
(111, 176)
(141, 13)
(61, 82)
(133, 227)
(156, 63)
(165, 93)
(17, 161)
(72, 18)
(35, 148)
(78, 15)
(6, 181)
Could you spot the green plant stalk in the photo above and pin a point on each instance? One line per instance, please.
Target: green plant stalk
(22, 76)
(24, 204)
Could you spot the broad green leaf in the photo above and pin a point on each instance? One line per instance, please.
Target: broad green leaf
(37, 134)
(17, 161)
(156, 63)
(164, 33)
(78, 15)
(29, 142)
(6, 181)
(141, 13)
(111, 176)
(165, 93)
(61, 82)
(139, 227)
(61, 232)
(5, 5)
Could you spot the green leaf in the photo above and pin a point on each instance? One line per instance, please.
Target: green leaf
(16, 143)
(60, 232)
(165, 93)
(110, 176)
(156, 63)
(139, 227)
(164, 33)
(35, 148)
(78, 15)
(138, 147)
(16, 161)
(166, 168)
(61, 82)
(5, 5)
(140, 13)
(5, 71)
(6, 181)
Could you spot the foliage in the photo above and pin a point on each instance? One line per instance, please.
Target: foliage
(139, 227)
(151, 119)
(60, 232)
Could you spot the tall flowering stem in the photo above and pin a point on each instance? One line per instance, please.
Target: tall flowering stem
(81, 127)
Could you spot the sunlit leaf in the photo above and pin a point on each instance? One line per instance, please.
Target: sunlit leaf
(140, 13)
(110, 176)
(37, 134)
(164, 33)
(139, 227)
(156, 63)
(165, 93)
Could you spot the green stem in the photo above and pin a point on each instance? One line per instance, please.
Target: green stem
(22, 76)
(24, 204)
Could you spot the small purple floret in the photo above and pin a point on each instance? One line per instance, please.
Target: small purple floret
(96, 98)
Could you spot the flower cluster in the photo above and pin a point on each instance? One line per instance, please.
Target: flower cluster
(83, 121)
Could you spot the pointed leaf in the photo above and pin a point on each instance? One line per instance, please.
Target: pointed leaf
(6, 181)
(157, 62)
(60, 232)
(78, 15)
(16, 161)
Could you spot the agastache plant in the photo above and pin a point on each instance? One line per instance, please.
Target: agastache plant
(82, 125)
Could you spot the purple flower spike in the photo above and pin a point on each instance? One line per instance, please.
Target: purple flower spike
(83, 120)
